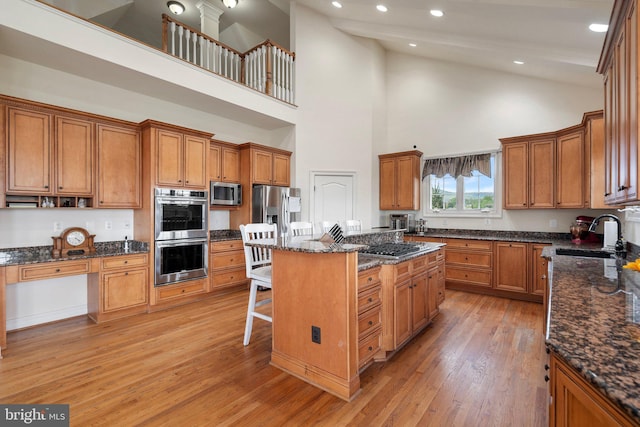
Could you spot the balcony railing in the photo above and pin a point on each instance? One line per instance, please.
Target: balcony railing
(267, 68)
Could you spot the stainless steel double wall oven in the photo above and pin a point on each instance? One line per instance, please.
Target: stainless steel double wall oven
(181, 235)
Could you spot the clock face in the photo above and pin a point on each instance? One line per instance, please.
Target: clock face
(75, 238)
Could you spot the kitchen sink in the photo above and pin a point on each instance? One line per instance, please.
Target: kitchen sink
(591, 253)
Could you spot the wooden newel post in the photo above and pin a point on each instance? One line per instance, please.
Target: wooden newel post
(268, 87)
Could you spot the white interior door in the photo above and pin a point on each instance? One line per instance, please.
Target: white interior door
(333, 197)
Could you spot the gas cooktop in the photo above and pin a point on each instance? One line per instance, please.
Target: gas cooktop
(392, 250)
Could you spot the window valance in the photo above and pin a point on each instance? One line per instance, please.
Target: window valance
(458, 166)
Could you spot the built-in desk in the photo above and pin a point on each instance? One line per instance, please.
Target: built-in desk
(117, 278)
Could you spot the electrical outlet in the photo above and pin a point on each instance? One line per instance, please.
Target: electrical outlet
(127, 225)
(315, 334)
(57, 226)
(108, 225)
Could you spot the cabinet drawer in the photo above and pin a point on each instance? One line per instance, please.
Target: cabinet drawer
(111, 263)
(228, 260)
(465, 275)
(368, 321)
(368, 347)
(419, 264)
(369, 298)
(368, 278)
(401, 271)
(228, 277)
(435, 257)
(226, 245)
(481, 245)
(469, 259)
(174, 291)
(53, 269)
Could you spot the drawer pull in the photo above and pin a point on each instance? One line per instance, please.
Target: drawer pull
(57, 270)
(183, 290)
(370, 348)
(126, 262)
(370, 322)
(370, 299)
(126, 273)
(370, 279)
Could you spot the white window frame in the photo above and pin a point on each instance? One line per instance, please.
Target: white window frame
(496, 212)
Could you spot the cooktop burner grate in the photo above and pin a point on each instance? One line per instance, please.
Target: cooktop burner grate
(392, 250)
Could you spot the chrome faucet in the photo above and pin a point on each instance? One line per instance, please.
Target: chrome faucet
(619, 244)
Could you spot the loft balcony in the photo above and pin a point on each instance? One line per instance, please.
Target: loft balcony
(191, 69)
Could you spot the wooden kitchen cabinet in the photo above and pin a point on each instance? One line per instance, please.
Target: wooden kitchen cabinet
(119, 167)
(227, 265)
(409, 298)
(400, 180)
(575, 402)
(572, 173)
(29, 152)
(120, 288)
(539, 270)
(75, 157)
(224, 162)
(369, 315)
(181, 159)
(270, 167)
(437, 275)
(619, 66)
(511, 266)
(469, 263)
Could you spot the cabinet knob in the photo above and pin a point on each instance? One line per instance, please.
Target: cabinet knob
(126, 262)
(126, 273)
(370, 299)
(546, 378)
(60, 188)
(370, 279)
(524, 204)
(57, 270)
(546, 367)
(370, 348)
(46, 186)
(179, 180)
(544, 277)
(224, 177)
(370, 322)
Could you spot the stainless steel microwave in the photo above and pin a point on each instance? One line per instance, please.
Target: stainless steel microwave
(226, 194)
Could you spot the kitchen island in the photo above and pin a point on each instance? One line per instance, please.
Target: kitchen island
(329, 309)
(593, 335)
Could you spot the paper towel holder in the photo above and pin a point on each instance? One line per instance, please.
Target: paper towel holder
(619, 243)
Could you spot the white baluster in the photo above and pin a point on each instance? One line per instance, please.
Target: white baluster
(194, 40)
(172, 28)
(180, 34)
(201, 46)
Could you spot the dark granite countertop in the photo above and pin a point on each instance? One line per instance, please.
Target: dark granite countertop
(39, 254)
(509, 236)
(594, 324)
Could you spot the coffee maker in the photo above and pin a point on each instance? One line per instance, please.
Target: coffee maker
(580, 231)
(402, 222)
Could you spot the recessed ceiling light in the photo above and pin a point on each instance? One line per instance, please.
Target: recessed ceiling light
(336, 4)
(599, 28)
(518, 62)
(175, 7)
(381, 8)
(436, 12)
(413, 44)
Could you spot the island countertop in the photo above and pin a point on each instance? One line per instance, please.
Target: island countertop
(594, 324)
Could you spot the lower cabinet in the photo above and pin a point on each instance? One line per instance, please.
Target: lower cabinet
(409, 301)
(575, 402)
(469, 263)
(369, 316)
(120, 287)
(226, 265)
(179, 293)
(511, 269)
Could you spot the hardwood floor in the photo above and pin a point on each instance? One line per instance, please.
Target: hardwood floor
(480, 364)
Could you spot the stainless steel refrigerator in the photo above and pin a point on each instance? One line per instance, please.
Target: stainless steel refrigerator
(276, 205)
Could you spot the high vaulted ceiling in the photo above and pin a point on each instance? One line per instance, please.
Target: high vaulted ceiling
(551, 37)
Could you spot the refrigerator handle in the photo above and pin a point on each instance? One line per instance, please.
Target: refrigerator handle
(284, 206)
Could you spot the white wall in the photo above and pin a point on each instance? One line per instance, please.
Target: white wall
(339, 89)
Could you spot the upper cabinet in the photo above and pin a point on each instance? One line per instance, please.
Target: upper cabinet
(555, 169)
(619, 66)
(181, 159)
(119, 167)
(224, 162)
(29, 152)
(400, 180)
(270, 167)
(75, 156)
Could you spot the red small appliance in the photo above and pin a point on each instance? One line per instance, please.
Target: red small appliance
(580, 231)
